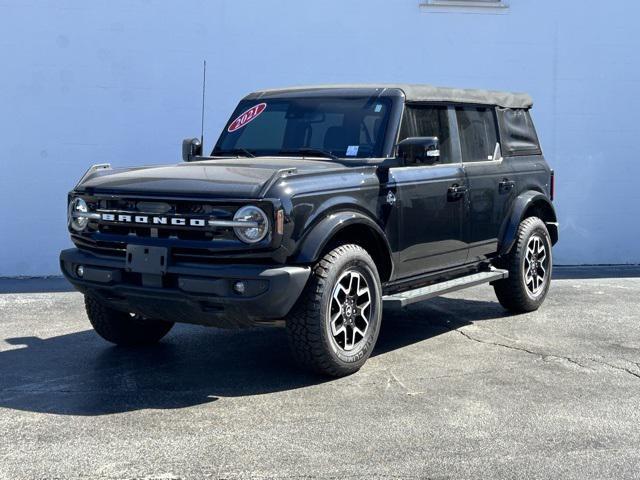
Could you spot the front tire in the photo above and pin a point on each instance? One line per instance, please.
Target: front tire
(334, 326)
(124, 328)
(530, 264)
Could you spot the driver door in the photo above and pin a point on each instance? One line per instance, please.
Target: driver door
(431, 234)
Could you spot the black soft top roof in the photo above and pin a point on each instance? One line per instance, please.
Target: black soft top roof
(413, 93)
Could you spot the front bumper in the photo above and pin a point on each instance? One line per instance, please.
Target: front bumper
(189, 293)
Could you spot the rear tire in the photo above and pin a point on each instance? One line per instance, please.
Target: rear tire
(123, 328)
(530, 265)
(334, 326)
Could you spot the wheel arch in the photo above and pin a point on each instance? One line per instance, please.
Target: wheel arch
(528, 204)
(347, 227)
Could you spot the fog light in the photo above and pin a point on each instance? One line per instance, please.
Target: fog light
(80, 270)
(239, 287)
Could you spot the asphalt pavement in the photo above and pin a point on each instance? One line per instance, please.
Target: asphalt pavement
(456, 388)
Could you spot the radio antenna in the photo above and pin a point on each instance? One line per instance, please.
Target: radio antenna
(204, 85)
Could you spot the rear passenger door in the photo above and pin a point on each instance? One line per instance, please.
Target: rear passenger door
(489, 179)
(431, 233)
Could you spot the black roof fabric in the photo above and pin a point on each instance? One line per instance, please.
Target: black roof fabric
(418, 93)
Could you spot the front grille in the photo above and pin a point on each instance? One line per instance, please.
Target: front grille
(181, 207)
(112, 249)
(166, 232)
(174, 208)
(186, 243)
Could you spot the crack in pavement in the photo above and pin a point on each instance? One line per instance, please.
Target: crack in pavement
(622, 369)
(545, 356)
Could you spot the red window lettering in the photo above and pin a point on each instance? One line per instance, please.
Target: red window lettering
(246, 117)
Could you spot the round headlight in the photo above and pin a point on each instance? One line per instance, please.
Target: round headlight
(78, 205)
(257, 219)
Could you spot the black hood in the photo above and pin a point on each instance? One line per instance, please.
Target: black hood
(237, 178)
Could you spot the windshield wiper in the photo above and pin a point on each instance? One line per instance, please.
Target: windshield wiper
(235, 151)
(313, 151)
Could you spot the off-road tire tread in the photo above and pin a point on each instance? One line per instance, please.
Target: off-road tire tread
(304, 322)
(119, 328)
(509, 291)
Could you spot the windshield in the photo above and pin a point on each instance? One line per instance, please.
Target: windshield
(345, 127)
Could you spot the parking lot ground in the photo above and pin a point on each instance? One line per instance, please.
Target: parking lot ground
(457, 388)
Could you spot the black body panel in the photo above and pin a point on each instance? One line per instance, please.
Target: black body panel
(435, 239)
(220, 178)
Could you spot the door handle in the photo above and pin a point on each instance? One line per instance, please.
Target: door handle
(456, 192)
(506, 185)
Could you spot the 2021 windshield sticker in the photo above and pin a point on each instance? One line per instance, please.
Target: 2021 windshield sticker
(246, 117)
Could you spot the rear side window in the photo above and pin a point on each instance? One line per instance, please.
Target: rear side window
(478, 134)
(517, 132)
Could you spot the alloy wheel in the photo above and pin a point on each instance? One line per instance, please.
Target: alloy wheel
(349, 310)
(536, 265)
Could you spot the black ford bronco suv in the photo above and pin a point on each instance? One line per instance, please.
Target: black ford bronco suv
(317, 206)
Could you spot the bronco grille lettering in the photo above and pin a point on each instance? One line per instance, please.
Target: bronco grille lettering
(153, 219)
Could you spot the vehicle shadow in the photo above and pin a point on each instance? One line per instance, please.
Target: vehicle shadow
(80, 374)
(425, 320)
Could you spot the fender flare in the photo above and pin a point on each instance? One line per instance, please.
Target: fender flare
(520, 206)
(316, 239)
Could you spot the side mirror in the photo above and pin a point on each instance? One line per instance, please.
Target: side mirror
(191, 147)
(422, 150)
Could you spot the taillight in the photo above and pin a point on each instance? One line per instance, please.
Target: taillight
(552, 185)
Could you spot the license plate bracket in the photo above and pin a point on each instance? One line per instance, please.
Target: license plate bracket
(145, 259)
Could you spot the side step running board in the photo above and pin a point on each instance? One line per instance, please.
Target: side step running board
(399, 300)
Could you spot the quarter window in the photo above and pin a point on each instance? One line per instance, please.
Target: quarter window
(478, 135)
(517, 133)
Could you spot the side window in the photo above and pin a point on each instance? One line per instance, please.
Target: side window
(428, 121)
(517, 133)
(478, 135)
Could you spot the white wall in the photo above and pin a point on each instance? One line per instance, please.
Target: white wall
(119, 81)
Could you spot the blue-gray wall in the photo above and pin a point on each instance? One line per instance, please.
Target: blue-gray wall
(118, 81)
